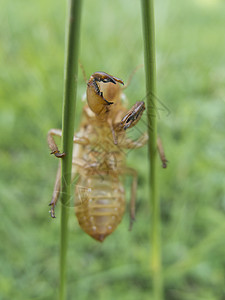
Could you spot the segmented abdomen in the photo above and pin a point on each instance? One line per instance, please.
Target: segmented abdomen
(100, 205)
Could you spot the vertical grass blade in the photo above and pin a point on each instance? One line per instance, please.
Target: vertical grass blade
(150, 71)
(69, 103)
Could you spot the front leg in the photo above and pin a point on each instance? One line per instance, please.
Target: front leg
(132, 116)
(128, 121)
(53, 146)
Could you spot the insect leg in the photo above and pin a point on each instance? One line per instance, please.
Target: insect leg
(132, 116)
(133, 173)
(113, 132)
(57, 185)
(161, 153)
(53, 146)
(133, 198)
(130, 144)
(88, 166)
(57, 188)
(56, 192)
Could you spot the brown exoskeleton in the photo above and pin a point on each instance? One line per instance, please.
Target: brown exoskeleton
(99, 159)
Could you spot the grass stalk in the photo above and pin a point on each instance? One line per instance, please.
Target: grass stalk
(150, 73)
(69, 104)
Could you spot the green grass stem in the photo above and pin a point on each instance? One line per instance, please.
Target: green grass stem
(69, 104)
(150, 72)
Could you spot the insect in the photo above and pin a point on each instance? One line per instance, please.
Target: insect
(99, 158)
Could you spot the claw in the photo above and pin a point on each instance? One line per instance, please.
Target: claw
(164, 163)
(52, 211)
(133, 115)
(58, 154)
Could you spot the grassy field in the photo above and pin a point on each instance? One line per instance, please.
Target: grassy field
(191, 92)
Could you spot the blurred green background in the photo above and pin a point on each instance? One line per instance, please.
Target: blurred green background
(191, 84)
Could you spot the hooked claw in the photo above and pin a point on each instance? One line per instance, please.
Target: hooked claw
(52, 211)
(58, 154)
(133, 115)
(164, 163)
